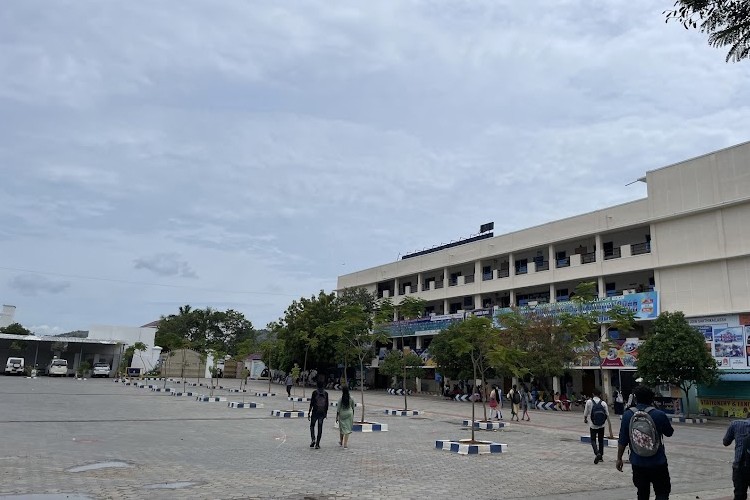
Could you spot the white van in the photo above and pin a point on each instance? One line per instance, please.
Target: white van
(58, 368)
(14, 366)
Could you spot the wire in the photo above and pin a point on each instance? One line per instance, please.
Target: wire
(140, 283)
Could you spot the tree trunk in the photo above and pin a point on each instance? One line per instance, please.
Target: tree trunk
(473, 403)
(687, 400)
(362, 385)
(304, 370)
(484, 397)
(404, 386)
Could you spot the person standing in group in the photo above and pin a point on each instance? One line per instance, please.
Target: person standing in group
(643, 428)
(319, 411)
(496, 402)
(619, 402)
(739, 432)
(289, 382)
(524, 404)
(345, 416)
(599, 413)
(515, 401)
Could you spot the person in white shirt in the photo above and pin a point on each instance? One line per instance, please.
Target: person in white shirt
(597, 410)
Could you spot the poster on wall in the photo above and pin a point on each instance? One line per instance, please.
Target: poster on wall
(726, 338)
(624, 354)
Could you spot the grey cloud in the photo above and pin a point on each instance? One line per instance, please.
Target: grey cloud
(166, 264)
(34, 284)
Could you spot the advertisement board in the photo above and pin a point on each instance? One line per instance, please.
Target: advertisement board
(727, 337)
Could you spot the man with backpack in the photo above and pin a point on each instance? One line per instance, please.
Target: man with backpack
(319, 411)
(643, 428)
(599, 413)
(739, 432)
(515, 403)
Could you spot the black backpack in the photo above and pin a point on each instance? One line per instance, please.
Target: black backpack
(516, 397)
(598, 415)
(321, 401)
(745, 457)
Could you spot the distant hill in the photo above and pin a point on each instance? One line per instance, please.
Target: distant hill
(81, 334)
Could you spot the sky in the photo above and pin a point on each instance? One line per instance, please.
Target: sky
(245, 154)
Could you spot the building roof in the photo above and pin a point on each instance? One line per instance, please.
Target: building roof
(153, 324)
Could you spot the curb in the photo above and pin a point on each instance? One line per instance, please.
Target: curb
(264, 394)
(236, 404)
(371, 427)
(287, 414)
(485, 448)
(487, 426)
(403, 413)
(210, 399)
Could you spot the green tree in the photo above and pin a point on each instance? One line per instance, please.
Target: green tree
(412, 307)
(727, 23)
(15, 329)
(675, 353)
(402, 366)
(481, 342)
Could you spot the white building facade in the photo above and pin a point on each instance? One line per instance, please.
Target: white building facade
(686, 247)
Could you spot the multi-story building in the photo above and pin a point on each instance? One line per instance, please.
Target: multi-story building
(685, 247)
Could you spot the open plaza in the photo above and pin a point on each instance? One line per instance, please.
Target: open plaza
(100, 439)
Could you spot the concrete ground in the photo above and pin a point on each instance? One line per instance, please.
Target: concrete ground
(50, 426)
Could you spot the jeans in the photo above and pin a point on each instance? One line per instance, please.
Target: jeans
(644, 477)
(597, 435)
(289, 390)
(319, 419)
(741, 480)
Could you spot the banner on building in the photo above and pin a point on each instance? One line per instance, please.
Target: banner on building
(727, 338)
(719, 407)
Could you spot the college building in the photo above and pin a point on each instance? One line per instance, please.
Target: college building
(685, 247)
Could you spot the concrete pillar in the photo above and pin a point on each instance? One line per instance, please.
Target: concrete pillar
(555, 384)
(607, 385)
(396, 289)
(395, 342)
(599, 250)
(552, 293)
(419, 342)
(552, 258)
(602, 288)
(511, 265)
(418, 384)
(446, 275)
(419, 282)
(478, 301)
(446, 306)
(512, 298)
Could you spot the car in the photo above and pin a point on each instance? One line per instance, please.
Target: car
(14, 366)
(58, 368)
(100, 370)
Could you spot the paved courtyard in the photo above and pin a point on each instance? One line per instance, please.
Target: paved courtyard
(176, 447)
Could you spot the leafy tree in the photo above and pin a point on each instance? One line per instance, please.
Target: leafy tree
(402, 365)
(15, 329)
(676, 354)
(130, 352)
(727, 23)
(205, 329)
(476, 338)
(412, 307)
(358, 339)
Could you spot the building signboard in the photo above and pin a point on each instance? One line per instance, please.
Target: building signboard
(727, 337)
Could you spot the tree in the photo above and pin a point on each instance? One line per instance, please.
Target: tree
(476, 338)
(727, 23)
(402, 365)
(675, 353)
(15, 329)
(358, 339)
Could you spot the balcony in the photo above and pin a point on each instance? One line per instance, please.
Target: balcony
(588, 258)
(542, 266)
(439, 284)
(486, 276)
(563, 262)
(453, 281)
(522, 270)
(614, 253)
(469, 278)
(640, 248)
(503, 273)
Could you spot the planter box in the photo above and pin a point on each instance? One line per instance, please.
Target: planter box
(462, 447)
(369, 427)
(298, 399)
(287, 413)
(683, 420)
(265, 394)
(403, 413)
(189, 394)
(235, 404)
(210, 399)
(485, 425)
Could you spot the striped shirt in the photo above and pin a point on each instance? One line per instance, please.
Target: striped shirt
(738, 431)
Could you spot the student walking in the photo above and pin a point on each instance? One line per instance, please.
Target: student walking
(524, 405)
(515, 402)
(319, 411)
(599, 413)
(345, 416)
(739, 432)
(289, 382)
(496, 402)
(643, 428)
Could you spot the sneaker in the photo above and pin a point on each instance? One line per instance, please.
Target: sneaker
(597, 459)
(601, 457)
(312, 445)
(317, 446)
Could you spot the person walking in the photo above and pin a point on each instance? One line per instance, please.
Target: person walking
(525, 404)
(599, 413)
(345, 416)
(739, 433)
(318, 411)
(496, 402)
(515, 401)
(643, 428)
(289, 382)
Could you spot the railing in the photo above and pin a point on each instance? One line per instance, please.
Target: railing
(503, 273)
(640, 248)
(469, 279)
(615, 253)
(542, 266)
(563, 262)
(438, 285)
(522, 270)
(453, 281)
(487, 276)
(588, 258)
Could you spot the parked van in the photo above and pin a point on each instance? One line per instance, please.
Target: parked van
(14, 366)
(58, 368)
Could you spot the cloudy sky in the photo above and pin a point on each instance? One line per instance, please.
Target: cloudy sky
(243, 154)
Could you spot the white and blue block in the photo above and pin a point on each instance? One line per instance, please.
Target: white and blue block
(287, 413)
(298, 399)
(237, 390)
(683, 420)
(403, 413)
(237, 404)
(210, 399)
(608, 443)
(336, 403)
(369, 427)
(265, 394)
(463, 448)
(162, 389)
(188, 394)
(485, 425)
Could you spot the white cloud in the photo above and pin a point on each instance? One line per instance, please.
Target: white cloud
(35, 284)
(165, 264)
